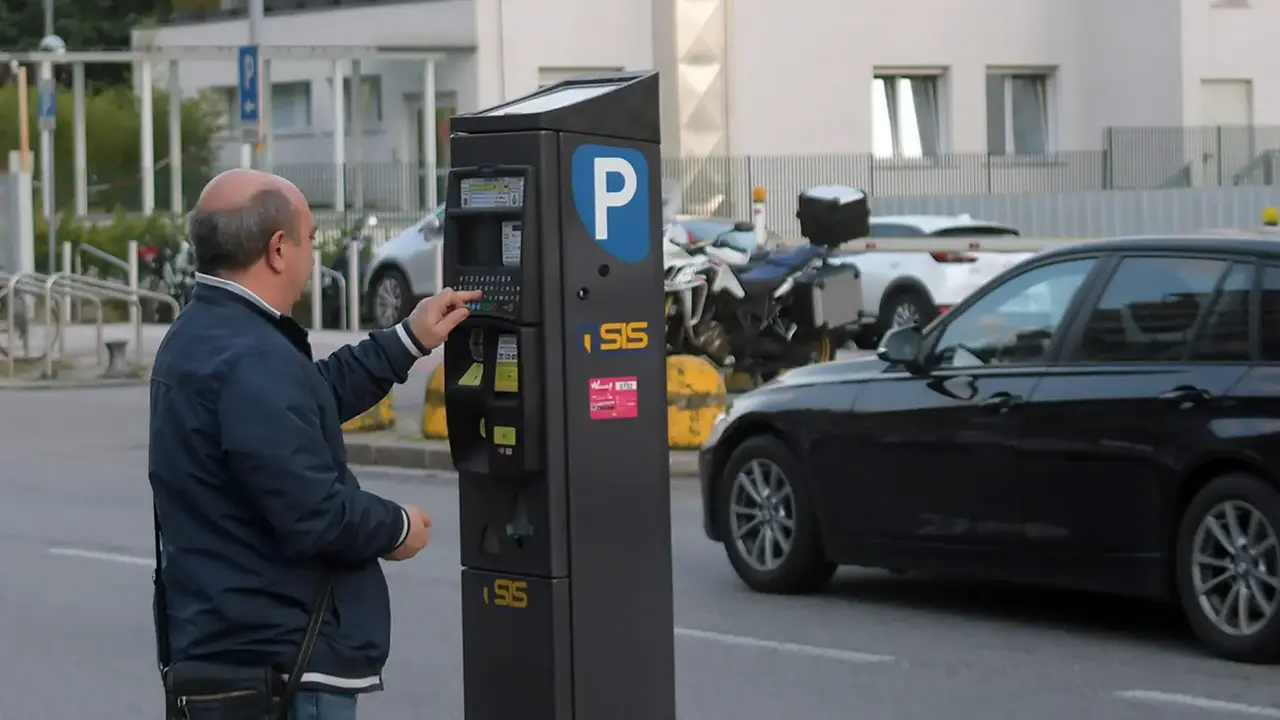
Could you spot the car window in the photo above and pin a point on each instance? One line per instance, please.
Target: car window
(894, 230)
(1269, 317)
(976, 231)
(1013, 323)
(1224, 334)
(1150, 309)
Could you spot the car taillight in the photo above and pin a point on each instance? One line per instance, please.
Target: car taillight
(953, 257)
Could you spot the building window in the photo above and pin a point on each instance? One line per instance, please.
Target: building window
(1017, 113)
(291, 106)
(372, 87)
(225, 100)
(904, 115)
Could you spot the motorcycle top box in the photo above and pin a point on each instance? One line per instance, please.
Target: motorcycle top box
(832, 215)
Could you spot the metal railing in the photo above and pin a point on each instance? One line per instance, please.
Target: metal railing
(56, 290)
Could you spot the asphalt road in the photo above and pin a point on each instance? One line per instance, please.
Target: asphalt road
(76, 637)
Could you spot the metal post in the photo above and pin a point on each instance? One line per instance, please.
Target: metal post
(256, 16)
(134, 316)
(146, 121)
(429, 134)
(353, 285)
(80, 139)
(175, 140)
(46, 168)
(317, 309)
(339, 139)
(267, 143)
(64, 308)
(357, 134)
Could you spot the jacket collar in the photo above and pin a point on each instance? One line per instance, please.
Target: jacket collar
(225, 293)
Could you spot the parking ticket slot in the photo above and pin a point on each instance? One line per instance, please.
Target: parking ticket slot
(555, 394)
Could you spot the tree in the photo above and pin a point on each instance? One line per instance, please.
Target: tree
(83, 25)
(113, 145)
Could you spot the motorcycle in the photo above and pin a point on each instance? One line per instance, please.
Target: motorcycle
(166, 271)
(330, 291)
(759, 314)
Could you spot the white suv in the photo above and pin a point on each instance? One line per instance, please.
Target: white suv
(906, 288)
(404, 270)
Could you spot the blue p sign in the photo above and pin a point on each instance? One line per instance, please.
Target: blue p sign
(611, 194)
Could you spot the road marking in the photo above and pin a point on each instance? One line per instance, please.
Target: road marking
(107, 556)
(794, 648)
(1153, 697)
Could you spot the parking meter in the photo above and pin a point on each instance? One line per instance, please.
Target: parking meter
(555, 395)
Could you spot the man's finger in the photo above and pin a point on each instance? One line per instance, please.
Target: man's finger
(465, 296)
(452, 320)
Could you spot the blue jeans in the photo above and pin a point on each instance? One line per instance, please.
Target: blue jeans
(323, 706)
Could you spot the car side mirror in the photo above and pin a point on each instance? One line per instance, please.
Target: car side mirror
(901, 346)
(432, 226)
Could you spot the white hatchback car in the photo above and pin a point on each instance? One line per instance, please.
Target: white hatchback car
(404, 270)
(905, 288)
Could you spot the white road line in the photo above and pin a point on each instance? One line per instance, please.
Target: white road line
(849, 656)
(107, 556)
(793, 648)
(1154, 697)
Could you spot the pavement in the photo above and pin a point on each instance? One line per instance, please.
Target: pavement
(76, 635)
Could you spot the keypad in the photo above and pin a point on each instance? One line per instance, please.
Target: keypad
(501, 292)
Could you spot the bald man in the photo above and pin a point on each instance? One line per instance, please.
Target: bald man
(270, 597)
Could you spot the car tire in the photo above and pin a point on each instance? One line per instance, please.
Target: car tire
(804, 566)
(910, 298)
(396, 285)
(1246, 495)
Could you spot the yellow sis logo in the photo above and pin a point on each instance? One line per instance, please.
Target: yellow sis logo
(614, 337)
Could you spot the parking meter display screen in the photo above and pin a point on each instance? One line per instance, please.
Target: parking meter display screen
(501, 192)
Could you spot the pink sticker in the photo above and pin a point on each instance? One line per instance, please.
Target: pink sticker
(613, 398)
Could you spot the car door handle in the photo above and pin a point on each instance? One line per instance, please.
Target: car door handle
(1186, 395)
(1000, 402)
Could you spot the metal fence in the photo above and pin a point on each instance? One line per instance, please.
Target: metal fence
(1097, 213)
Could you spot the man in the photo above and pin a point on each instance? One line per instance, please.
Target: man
(261, 520)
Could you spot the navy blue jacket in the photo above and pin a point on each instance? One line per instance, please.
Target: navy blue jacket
(253, 494)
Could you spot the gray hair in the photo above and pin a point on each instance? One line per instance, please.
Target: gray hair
(231, 239)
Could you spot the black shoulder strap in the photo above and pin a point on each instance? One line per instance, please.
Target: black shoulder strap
(159, 606)
(318, 610)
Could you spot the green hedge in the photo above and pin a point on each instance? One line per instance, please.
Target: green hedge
(113, 145)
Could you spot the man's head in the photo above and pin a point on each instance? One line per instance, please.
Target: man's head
(256, 229)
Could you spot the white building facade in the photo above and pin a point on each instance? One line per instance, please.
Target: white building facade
(927, 96)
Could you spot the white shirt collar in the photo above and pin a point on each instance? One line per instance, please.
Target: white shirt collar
(238, 289)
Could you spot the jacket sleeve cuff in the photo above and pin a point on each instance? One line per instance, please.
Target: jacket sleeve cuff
(410, 340)
(404, 528)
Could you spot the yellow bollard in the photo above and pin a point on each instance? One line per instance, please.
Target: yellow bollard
(695, 396)
(736, 381)
(434, 426)
(1270, 216)
(379, 417)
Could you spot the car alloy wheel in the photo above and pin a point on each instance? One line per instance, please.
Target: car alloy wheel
(762, 515)
(904, 315)
(388, 298)
(1235, 568)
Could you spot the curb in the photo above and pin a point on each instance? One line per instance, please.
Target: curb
(420, 456)
(86, 384)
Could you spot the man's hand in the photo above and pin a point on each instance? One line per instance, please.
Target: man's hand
(435, 317)
(419, 534)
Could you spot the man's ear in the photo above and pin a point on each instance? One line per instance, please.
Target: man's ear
(275, 251)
